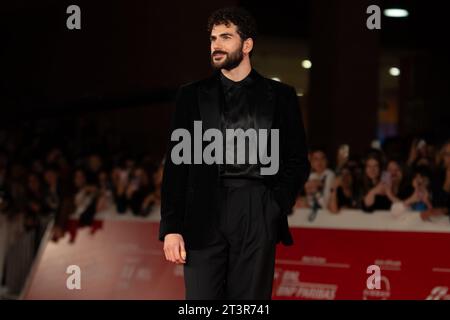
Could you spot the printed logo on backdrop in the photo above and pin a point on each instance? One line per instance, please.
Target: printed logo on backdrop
(133, 271)
(438, 293)
(290, 286)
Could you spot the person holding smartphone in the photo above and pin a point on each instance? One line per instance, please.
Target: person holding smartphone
(441, 187)
(343, 193)
(420, 199)
(377, 187)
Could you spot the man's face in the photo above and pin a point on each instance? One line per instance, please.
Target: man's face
(226, 47)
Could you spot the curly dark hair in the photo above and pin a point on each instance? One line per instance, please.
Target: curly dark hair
(246, 24)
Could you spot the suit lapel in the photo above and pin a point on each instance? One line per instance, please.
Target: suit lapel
(209, 101)
(263, 101)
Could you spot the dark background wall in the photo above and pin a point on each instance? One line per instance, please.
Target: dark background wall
(122, 49)
(131, 57)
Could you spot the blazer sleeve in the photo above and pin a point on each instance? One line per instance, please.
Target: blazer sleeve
(174, 181)
(294, 164)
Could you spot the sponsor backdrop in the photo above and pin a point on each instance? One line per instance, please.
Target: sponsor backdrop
(120, 258)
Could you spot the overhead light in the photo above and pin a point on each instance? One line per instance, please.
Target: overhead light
(375, 144)
(306, 64)
(276, 79)
(396, 13)
(394, 71)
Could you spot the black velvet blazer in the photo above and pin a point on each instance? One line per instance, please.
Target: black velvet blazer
(189, 194)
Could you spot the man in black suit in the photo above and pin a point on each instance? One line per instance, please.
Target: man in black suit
(223, 220)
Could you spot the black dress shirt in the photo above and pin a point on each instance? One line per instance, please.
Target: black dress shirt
(237, 112)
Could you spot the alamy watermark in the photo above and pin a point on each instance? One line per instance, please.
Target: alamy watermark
(73, 281)
(74, 20)
(235, 147)
(374, 20)
(374, 280)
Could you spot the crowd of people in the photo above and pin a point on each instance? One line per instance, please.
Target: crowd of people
(63, 170)
(44, 173)
(76, 172)
(53, 172)
(418, 182)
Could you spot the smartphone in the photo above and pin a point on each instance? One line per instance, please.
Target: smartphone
(344, 151)
(386, 177)
(375, 144)
(421, 144)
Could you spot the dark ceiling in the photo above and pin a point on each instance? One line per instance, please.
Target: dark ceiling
(131, 48)
(424, 28)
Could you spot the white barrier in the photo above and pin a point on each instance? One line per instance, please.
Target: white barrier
(345, 219)
(378, 220)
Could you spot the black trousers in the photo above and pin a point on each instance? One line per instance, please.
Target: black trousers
(239, 263)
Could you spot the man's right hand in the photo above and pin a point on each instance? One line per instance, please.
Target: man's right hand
(174, 248)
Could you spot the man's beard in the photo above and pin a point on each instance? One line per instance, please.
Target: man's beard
(231, 60)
